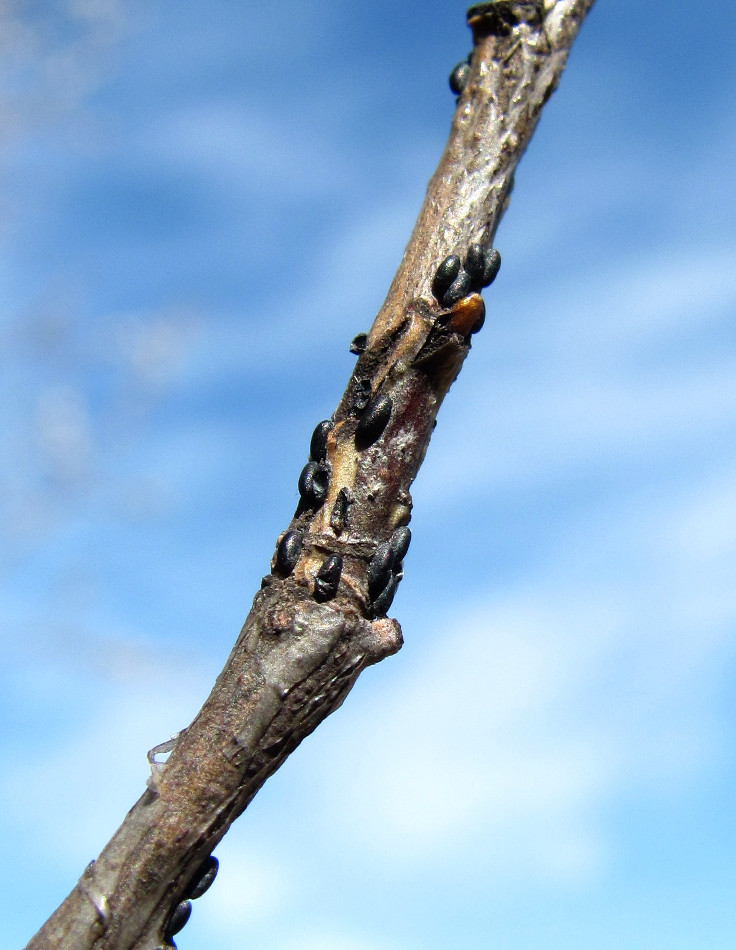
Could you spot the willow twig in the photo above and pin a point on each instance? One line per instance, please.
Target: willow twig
(319, 617)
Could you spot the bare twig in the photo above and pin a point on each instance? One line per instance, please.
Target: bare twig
(319, 617)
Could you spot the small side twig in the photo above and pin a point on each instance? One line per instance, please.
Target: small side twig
(320, 616)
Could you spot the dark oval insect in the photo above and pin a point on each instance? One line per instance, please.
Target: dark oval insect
(493, 265)
(318, 443)
(359, 343)
(445, 275)
(287, 552)
(381, 604)
(203, 878)
(314, 482)
(373, 421)
(339, 516)
(178, 919)
(475, 262)
(361, 394)
(459, 77)
(328, 577)
(380, 568)
(400, 541)
(459, 288)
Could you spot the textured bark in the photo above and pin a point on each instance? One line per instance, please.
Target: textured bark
(312, 627)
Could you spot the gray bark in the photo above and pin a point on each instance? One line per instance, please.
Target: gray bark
(307, 638)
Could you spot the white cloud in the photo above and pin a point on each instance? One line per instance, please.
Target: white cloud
(548, 409)
(312, 939)
(704, 530)
(529, 718)
(307, 318)
(477, 747)
(641, 299)
(250, 887)
(62, 52)
(242, 145)
(71, 794)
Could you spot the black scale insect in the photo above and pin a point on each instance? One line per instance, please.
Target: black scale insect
(203, 878)
(380, 569)
(373, 421)
(200, 883)
(385, 570)
(178, 919)
(381, 605)
(328, 578)
(451, 282)
(314, 483)
(359, 344)
(318, 442)
(475, 263)
(459, 77)
(287, 553)
(400, 541)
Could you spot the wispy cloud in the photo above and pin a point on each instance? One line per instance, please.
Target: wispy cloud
(54, 56)
(527, 722)
(625, 384)
(97, 768)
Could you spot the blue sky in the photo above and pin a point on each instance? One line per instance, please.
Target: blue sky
(198, 204)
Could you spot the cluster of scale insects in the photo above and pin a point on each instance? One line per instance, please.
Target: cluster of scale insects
(384, 570)
(455, 285)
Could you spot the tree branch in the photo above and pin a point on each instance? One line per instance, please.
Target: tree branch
(319, 617)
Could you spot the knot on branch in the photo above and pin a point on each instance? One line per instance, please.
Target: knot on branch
(381, 638)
